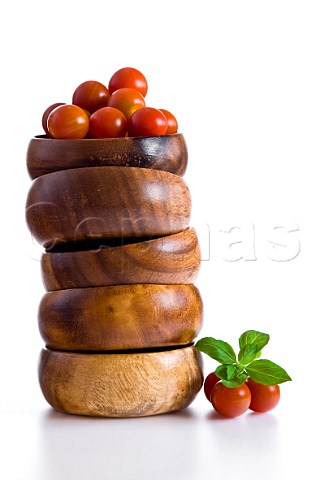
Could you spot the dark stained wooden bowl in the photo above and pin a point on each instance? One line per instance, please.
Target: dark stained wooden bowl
(120, 385)
(173, 259)
(46, 155)
(120, 317)
(106, 202)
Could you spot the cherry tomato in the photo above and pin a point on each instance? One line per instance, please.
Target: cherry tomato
(68, 121)
(108, 122)
(230, 402)
(209, 383)
(128, 100)
(147, 122)
(172, 122)
(91, 96)
(128, 78)
(87, 112)
(46, 115)
(263, 397)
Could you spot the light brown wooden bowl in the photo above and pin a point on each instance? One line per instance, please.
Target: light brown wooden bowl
(168, 152)
(173, 259)
(106, 202)
(121, 317)
(120, 385)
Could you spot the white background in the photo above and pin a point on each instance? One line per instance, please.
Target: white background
(243, 79)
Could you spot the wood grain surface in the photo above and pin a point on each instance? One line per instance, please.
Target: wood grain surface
(168, 152)
(120, 385)
(120, 317)
(106, 202)
(173, 259)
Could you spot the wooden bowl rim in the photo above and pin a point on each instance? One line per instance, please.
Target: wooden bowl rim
(145, 352)
(100, 140)
(169, 259)
(132, 286)
(150, 172)
(161, 152)
(137, 241)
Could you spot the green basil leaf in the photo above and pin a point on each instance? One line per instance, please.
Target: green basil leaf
(226, 372)
(231, 375)
(267, 372)
(235, 382)
(217, 349)
(257, 338)
(248, 353)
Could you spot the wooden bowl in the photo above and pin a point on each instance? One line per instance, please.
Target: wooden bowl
(120, 385)
(173, 259)
(121, 317)
(106, 202)
(46, 155)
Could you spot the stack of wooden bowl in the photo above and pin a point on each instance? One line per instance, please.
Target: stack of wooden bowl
(121, 311)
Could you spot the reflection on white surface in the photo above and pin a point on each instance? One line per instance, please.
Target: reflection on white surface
(190, 444)
(151, 447)
(245, 447)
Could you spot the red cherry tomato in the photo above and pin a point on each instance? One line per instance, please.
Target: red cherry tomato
(87, 113)
(128, 78)
(230, 402)
(91, 96)
(46, 115)
(68, 121)
(128, 100)
(209, 383)
(172, 122)
(263, 397)
(108, 122)
(147, 122)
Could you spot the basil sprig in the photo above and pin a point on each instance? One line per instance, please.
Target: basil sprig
(234, 370)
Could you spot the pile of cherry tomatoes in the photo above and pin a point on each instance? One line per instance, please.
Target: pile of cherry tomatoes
(117, 111)
(232, 402)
